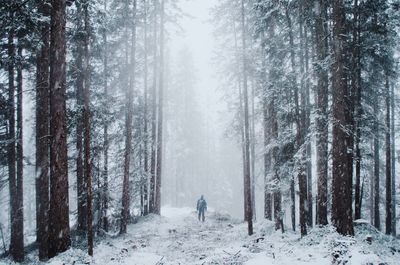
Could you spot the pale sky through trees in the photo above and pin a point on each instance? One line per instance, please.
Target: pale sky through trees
(196, 36)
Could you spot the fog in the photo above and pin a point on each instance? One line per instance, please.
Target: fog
(200, 158)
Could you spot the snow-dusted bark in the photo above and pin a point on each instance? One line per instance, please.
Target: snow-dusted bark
(42, 135)
(130, 66)
(59, 230)
(160, 115)
(322, 112)
(342, 212)
(87, 130)
(388, 165)
(247, 177)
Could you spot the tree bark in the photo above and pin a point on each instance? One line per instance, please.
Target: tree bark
(20, 154)
(372, 190)
(128, 125)
(80, 83)
(356, 83)
(16, 235)
(152, 194)
(393, 137)
(307, 111)
(59, 230)
(296, 100)
(42, 135)
(87, 125)
(388, 162)
(145, 116)
(267, 141)
(377, 222)
(160, 114)
(342, 217)
(322, 112)
(239, 74)
(300, 136)
(105, 194)
(247, 177)
(267, 155)
(253, 153)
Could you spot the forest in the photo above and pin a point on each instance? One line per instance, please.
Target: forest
(285, 120)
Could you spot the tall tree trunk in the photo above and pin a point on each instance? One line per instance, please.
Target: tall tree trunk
(59, 230)
(19, 220)
(42, 135)
(377, 222)
(87, 125)
(296, 100)
(241, 112)
(372, 190)
(394, 232)
(356, 83)
(253, 153)
(267, 137)
(277, 197)
(15, 243)
(243, 143)
(267, 111)
(322, 111)
(80, 83)
(300, 137)
(128, 125)
(388, 162)
(247, 177)
(307, 111)
(145, 115)
(160, 113)
(342, 217)
(105, 196)
(17, 236)
(152, 194)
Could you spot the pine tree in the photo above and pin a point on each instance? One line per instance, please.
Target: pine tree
(105, 192)
(342, 175)
(388, 224)
(14, 174)
(87, 129)
(80, 90)
(145, 112)
(153, 162)
(59, 230)
(293, 81)
(128, 122)
(322, 111)
(42, 134)
(159, 145)
(247, 176)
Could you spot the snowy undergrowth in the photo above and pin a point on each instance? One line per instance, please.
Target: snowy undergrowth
(177, 237)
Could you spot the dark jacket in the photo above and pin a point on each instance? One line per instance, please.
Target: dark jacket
(201, 204)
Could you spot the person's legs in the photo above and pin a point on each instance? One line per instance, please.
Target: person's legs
(202, 216)
(199, 215)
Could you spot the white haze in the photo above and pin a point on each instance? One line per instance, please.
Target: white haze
(216, 169)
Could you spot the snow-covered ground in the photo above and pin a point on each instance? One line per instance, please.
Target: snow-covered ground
(178, 238)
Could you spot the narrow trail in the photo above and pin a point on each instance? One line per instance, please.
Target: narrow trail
(178, 237)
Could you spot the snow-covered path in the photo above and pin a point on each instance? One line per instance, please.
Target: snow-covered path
(177, 237)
